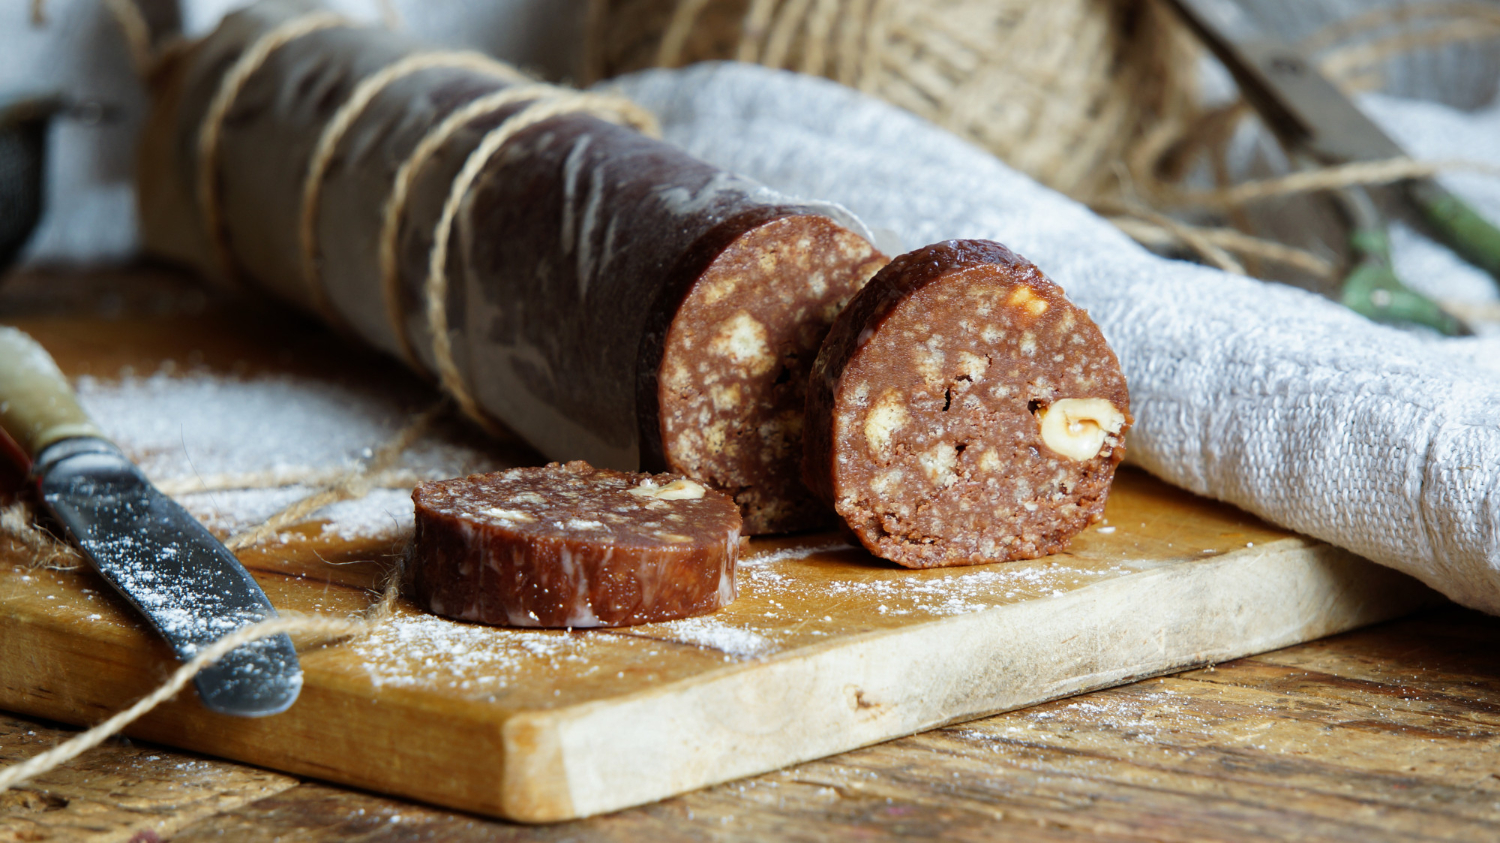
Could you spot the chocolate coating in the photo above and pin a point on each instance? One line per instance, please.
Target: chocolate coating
(569, 545)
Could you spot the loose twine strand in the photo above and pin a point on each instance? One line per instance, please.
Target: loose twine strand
(45, 551)
(1358, 173)
(84, 741)
(356, 484)
(17, 524)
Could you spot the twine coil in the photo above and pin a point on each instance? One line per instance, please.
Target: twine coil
(401, 185)
(549, 102)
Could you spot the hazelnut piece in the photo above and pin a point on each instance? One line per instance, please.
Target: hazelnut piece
(677, 490)
(1077, 427)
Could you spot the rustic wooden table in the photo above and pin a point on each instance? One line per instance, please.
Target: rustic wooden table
(1379, 734)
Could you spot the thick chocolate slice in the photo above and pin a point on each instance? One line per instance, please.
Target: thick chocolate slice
(962, 410)
(569, 545)
(731, 382)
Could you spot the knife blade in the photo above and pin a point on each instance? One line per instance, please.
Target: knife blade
(187, 585)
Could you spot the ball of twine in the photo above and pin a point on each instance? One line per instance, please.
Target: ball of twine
(1060, 90)
(1097, 99)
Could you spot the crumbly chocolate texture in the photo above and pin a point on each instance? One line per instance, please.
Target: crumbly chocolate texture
(569, 545)
(732, 381)
(927, 415)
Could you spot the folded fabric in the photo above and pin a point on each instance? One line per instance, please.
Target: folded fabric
(1265, 396)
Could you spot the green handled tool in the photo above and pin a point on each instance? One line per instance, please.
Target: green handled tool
(1371, 288)
(1314, 119)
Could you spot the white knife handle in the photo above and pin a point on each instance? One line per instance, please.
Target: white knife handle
(37, 406)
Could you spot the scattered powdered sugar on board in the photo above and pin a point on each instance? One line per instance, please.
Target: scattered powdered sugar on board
(179, 426)
(423, 651)
(784, 554)
(269, 441)
(202, 425)
(709, 631)
(953, 591)
(230, 511)
(427, 651)
(383, 513)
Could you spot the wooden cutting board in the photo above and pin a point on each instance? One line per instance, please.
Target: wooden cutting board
(825, 650)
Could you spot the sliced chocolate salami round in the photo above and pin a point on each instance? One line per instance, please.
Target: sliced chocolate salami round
(570, 545)
(729, 383)
(962, 410)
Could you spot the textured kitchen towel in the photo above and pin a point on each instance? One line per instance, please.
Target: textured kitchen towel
(1261, 395)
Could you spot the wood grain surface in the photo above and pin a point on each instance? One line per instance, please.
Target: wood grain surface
(1386, 734)
(851, 651)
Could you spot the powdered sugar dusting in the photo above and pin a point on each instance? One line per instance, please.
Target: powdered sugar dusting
(795, 552)
(200, 424)
(230, 511)
(415, 650)
(940, 593)
(423, 651)
(233, 451)
(714, 633)
(384, 513)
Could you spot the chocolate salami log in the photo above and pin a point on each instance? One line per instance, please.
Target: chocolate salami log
(602, 294)
(572, 546)
(961, 410)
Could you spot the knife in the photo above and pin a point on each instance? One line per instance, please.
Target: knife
(1313, 118)
(190, 588)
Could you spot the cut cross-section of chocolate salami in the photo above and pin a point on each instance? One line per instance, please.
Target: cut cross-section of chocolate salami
(569, 545)
(962, 410)
(730, 384)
